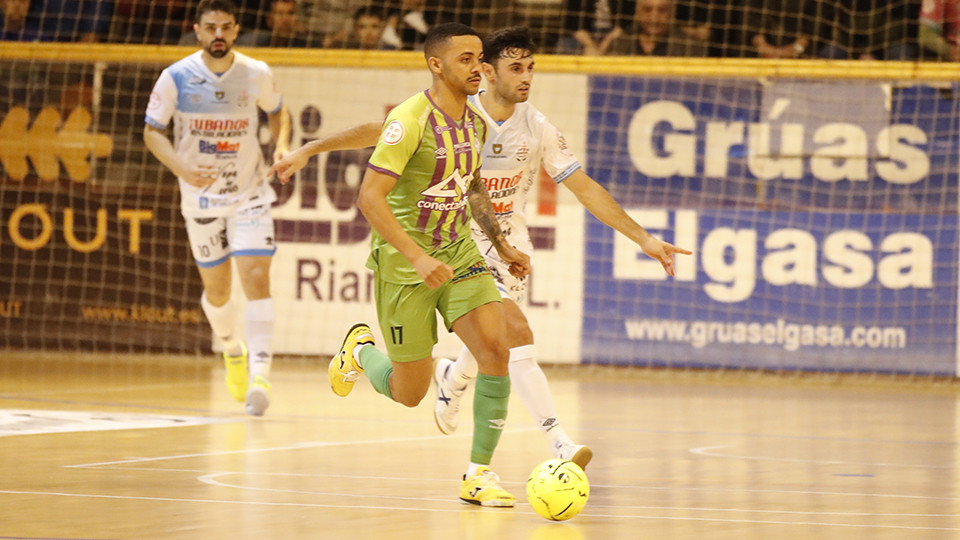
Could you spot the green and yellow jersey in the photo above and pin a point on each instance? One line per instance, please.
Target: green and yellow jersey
(433, 157)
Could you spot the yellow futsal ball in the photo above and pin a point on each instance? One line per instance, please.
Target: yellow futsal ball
(558, 489)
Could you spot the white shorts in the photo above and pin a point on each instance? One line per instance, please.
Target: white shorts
(248, 231)
(509, 286)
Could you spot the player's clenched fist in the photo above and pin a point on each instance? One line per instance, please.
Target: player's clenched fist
(433, 272)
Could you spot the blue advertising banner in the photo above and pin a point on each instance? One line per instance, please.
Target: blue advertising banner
(824, 235)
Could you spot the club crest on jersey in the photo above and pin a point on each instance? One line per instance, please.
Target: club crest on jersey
(393, 133)
(523, 150)
(497, 148)
(220, 95)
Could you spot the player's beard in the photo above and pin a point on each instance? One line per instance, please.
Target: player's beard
(218, 53)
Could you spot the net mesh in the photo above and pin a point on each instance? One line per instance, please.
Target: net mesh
(819, 198)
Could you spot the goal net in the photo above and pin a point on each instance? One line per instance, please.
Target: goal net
(819, 198)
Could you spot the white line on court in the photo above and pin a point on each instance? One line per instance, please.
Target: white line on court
(297, 446)
(707, 451)
(458, 509)
(210, 479)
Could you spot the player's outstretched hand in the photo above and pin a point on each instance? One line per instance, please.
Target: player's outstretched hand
(662, 251)
(433, 272)
(287, 165)
(200, 176)
(519, 261)
(280, 152)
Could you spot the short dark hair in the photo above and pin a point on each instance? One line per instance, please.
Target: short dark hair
(502, 42)
(441, 33)
(369, 11)
(207, 6)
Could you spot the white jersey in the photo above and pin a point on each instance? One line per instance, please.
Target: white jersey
(512, 157)
(215, 124)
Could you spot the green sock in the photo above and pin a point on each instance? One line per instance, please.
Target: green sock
(489, 415)
(378, 368)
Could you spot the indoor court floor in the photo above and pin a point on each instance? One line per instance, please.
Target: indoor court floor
(155, 448)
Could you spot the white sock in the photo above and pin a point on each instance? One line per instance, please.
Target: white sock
(223, 323)
(463, 370)
(528, 381)
(472, 469)
(258, 322)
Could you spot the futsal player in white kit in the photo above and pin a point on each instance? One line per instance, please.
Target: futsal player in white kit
(520, 140)
(212, 97)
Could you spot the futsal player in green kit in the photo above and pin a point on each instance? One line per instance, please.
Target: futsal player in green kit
(420, 190)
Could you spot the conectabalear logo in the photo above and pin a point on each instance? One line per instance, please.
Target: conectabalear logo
(48, 144)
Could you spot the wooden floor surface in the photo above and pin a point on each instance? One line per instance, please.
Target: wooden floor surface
(676, 457)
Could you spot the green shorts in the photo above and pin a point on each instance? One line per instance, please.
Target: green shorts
(408, 313)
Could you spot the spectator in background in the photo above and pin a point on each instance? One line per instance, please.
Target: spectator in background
(785, 28)
(407, 25)
(655, 32)
(284, 28)
(328, 21)
(940, 29)
(590, 26)
(15, 25)
(367, 34)
(871, 30)
(72, 20)
(150, 21)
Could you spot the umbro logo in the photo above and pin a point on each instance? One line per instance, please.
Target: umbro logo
(549, 424)
(497, 423)
(197, 80)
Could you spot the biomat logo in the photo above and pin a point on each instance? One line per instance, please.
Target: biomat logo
(48, 143)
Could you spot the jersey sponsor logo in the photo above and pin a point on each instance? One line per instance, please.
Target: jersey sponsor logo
(219, 147)
(393, 133)
(219, 125)
(449, 187)
(462, 147)
(500, 182)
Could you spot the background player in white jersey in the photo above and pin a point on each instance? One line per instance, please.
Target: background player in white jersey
(521, 140)
(212, 96)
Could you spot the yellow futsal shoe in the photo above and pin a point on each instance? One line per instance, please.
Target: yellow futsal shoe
(344, 368)
(484, 489)
(237, 373)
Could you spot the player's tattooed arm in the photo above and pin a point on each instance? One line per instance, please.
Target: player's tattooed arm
(483, 212)
(486, 218)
